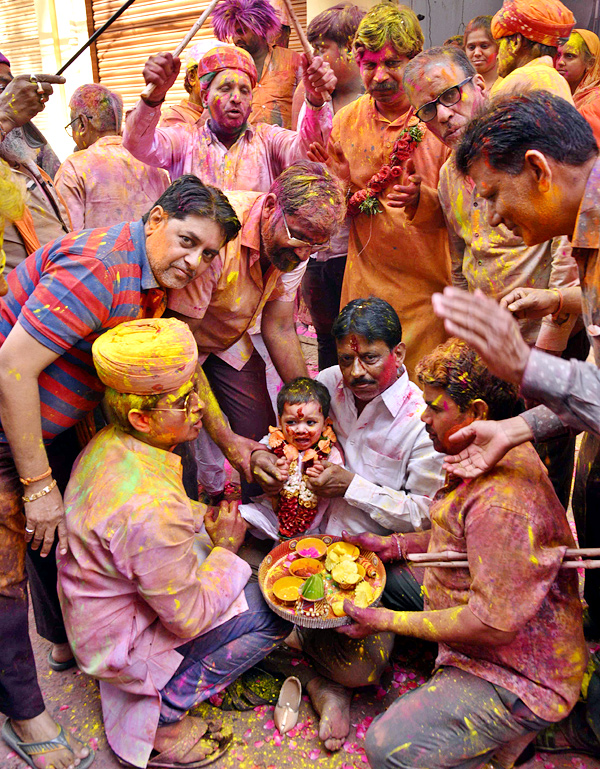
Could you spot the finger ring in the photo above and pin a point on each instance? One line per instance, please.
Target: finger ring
(29, 531)
(40, 89)
(33, 79)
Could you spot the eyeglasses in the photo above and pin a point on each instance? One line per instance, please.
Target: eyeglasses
(296, 242)
(69, 127)
(448, 98)
(188, 404)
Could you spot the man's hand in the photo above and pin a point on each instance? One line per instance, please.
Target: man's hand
(366, 621)
(267, 470)
(225, 526)
(328, 480)
(43, 516)
(385, 547)
(406, 195)
(488, 328)
(319, 80)
(531, 302)
(490, 441)
(25, 96)
(161, 70)
(238, 451)
(317, 153)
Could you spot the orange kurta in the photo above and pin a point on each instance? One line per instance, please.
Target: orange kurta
(390, 256)
(273, 94)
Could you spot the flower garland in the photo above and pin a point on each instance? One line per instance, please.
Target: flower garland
(296, 504)
(365, 201)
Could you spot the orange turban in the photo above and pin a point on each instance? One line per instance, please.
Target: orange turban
(147, 356)
(227, 57)
(543, 21)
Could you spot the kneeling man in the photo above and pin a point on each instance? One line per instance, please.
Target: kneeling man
(155, 607)
(508, 622)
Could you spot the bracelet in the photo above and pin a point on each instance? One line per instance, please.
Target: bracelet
(152, 104)
(42, 493)
(398, 540)
(29, 481)
(561, 301)
(312, 106)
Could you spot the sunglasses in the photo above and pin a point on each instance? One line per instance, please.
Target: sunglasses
(69, 127)
(188, 404)
(448, 98)
(296, 242)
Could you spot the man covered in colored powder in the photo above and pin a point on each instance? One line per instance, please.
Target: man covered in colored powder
(102, 183)
(392, 470)
(447, 93)
(252, 25)
(59, 300)
(528, 33)
(304, 437)
(535, 158)
(155, 599)
(258, 275)
(226, 151)
(189, 111)
(508, 620)
(399, 254)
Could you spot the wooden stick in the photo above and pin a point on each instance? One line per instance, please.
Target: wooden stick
(452, 555)
(299, 31)
(591, 564)
(149, 89)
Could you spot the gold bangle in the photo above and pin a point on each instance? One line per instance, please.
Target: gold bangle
(561, 300)
(29, 481)
(39, 494)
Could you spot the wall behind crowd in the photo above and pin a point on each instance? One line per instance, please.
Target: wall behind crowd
(40, 35)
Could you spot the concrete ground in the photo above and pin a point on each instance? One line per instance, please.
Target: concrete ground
(73, 699)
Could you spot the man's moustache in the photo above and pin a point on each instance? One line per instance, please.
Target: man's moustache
(358, 382)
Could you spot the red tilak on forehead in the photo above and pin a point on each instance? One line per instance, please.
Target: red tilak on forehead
(300, 413)
(354, 343)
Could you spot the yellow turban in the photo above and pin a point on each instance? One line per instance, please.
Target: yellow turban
(543, 21)
(147, 356)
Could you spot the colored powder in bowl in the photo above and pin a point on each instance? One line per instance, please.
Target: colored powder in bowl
(310, 552)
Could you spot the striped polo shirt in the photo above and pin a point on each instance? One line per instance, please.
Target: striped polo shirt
(67, 294)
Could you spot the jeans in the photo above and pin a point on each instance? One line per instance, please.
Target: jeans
(213, 660)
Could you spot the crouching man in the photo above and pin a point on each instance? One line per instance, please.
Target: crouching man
(508, 623)
(155, 599)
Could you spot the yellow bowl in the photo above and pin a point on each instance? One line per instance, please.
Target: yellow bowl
(287, 588)
(306, 567)
(346, 547)
(307, 547)
(360, 570)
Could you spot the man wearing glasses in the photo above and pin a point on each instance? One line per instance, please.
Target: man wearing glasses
(102, 183)
(447, 93)
(257, 274)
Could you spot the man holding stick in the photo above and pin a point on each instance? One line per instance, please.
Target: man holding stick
(508, 622)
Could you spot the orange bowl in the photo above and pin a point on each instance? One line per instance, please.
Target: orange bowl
(287, 589)
(306, 567)
(311, 547)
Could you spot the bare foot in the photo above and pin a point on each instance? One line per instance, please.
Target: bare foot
(189, 740)
(42, 728)
(332, 703)
(293, 641)
(61, 652)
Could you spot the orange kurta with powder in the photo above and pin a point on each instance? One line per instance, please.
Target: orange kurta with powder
(536, 75)
(273, 94)
(390, 256)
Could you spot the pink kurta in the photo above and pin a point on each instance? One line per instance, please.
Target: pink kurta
(136, 582)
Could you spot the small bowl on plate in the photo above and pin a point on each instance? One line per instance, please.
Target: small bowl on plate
(311, 547)
(287, 589)
(306, 567)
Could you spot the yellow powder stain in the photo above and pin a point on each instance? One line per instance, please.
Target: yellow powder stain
(532, 557)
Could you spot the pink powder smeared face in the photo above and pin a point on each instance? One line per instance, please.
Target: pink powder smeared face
(368, 368)
(302, 424)
(443, 418)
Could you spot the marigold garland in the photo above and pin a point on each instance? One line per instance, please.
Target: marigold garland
(296, 505)
(365, 201)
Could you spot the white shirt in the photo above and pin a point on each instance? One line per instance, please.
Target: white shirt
(397, 471)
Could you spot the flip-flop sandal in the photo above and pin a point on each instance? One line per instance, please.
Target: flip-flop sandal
(60, 666)
(27, 749)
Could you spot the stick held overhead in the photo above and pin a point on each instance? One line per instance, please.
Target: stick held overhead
(96, 34)
(148, 90)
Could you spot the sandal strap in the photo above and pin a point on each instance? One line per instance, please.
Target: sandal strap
(39, 748)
